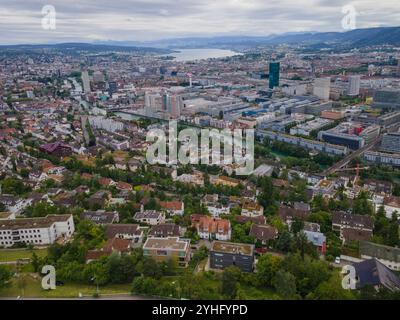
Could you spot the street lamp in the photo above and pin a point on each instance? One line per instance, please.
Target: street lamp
(97, 284)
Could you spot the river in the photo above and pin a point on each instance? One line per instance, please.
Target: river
(199, 54)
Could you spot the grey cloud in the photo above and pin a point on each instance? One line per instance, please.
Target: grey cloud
(86, 20)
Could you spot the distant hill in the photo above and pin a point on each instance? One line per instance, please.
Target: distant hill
(76, 48)
(353, 38)
(356, 38)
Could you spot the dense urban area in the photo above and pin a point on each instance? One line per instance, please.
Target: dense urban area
(78, 193)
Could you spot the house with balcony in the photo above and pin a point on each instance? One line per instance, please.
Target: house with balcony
(211, 228)
(252, 209)
(129, 231)
(151, 217)
(166, 249)
(173, 207)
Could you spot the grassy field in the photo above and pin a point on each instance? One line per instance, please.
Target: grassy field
(33, 289)
(15, 254)
(252, 293)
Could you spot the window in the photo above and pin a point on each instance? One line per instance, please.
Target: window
(162, 252)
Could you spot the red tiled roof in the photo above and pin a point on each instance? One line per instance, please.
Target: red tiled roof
(117, 244)
(104, 181)
(124, 186)
(244, 219)
(86, 176)
(212, 225)
(171, 205)
(95, 254)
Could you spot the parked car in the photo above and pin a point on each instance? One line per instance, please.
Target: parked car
(337, 260)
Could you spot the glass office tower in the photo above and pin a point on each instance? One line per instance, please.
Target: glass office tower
(274, 74)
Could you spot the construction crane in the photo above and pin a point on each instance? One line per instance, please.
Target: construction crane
(357, 168)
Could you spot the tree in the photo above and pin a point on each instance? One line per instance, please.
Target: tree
(285, 284)
(149, 268)
(267, 266)
(24, 173)
(393, 232)
(13, 186)
(93, 235)
(230, 278)
(362, 205)
(144, 285)
(5, 276)
(309, 273)
(319, 203)
(120, 269)
(41, 209)
(368, 292)
(266, 197)
(331, 290)
(386, 231)
(240, 233)
(297, 225)
(35, 262)
(323, 218)
(284, 242)
(96, 273)
(199, 255)
(91, 136)
(302, 245)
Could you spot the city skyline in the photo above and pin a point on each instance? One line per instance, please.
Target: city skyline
(126, 20)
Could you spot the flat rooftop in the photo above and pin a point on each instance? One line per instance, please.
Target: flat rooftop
(234, 248)
(170, 243)
(30, 223)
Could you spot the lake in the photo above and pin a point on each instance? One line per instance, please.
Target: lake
(199, 54)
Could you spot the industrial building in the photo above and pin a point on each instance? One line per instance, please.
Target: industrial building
(387, 99)
(350, 134)
(391, 142)
(305, 129)
(382, 158)
(304, 143)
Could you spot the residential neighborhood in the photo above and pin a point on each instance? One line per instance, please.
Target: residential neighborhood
(225, 150)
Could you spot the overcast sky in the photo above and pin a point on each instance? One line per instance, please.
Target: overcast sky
(89, 20)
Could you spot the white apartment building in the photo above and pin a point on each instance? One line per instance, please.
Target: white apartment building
(354, 85)
(252, 209)
(322, 87)
(217, 209)
(36, 231)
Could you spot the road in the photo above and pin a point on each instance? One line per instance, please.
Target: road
(85, 132)
(101, 297)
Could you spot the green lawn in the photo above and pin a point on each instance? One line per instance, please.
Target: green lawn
(252, 293)
(15, 254)
(279, 154)
(33, 289)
